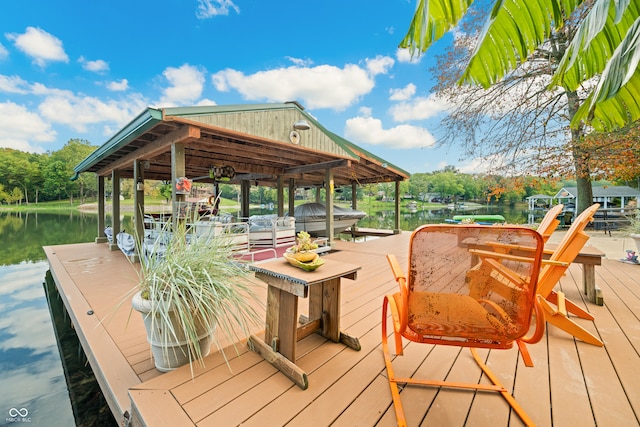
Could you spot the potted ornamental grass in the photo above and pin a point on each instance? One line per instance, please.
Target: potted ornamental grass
(192, 293)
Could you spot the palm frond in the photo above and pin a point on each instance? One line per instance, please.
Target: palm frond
(516, 28)
(596, 38)
(432, 19)
(615, 112)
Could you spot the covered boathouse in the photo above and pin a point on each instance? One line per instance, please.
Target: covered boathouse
(278, 145)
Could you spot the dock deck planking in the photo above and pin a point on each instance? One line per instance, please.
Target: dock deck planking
(572, 383)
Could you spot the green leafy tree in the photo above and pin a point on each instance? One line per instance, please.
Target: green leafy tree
(61, 167)
(582, 41)
(166, 190)
(4, 196)
(15, 196)
(447, 184)
(58, 182)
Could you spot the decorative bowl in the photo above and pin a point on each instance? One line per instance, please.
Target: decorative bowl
(311, 265)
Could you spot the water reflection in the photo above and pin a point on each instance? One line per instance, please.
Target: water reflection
(30, 369)
(32, 380)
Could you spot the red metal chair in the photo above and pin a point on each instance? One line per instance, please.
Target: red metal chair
(435, 303)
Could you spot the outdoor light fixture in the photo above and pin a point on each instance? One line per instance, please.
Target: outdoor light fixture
(301, 125)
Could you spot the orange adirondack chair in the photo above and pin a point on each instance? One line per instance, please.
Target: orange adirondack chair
(556, 306)
(434, 304)
(550, 222)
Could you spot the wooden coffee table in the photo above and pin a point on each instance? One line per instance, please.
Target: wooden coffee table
(284, 329)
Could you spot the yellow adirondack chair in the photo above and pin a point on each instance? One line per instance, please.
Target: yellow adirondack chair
(556, 306)
(550, 222)
(435, 306)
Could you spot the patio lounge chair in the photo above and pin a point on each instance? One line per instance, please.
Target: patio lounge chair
(271, 231)
(435, 306)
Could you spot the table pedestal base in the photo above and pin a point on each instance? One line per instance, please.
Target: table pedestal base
(284, 365)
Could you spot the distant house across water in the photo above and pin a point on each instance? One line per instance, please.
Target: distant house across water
(608, 197)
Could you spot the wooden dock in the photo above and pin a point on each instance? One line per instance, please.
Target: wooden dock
(572, 383)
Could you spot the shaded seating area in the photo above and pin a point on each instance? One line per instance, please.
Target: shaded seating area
(437, 302)
(271, 231)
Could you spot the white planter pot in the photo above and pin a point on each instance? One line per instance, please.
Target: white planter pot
(168, 352)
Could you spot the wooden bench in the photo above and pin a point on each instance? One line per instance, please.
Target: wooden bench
(589, 257)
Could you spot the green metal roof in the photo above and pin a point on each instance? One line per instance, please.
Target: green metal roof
(152, 122)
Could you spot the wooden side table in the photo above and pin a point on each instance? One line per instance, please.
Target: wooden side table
(286, 284)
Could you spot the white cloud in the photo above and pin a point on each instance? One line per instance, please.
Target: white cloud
(323, 86)
(13, 84)
(379, 65)
(403, 94)
(42, 90)
(300, 62)
(365, 111)
(120, 86)
(205, 102)
(186, 84)
(97, 66)
(473, 166)
(24, 129)
(370, 130)
(20, 128)
(404, 56)
(418, 109)
(4, 53)
(39, 45)
(78, 112)
(208, 8)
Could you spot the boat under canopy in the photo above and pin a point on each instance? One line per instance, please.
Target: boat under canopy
(312, 217)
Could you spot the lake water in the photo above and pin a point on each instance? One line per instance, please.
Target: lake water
(35, 389)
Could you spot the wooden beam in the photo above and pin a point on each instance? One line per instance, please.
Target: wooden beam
(183, 135)
(317, 166)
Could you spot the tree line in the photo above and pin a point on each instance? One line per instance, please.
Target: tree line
(35, 177)
(32, 178)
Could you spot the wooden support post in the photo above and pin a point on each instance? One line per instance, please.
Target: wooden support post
(138, 202)
(178, 170)
(328, 181)
(244, 202)
(115, 207)
(292, 196)
(397, 230)
(280, 196)
(101, 238)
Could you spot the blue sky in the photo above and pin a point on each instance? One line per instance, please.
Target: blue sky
(83, 69)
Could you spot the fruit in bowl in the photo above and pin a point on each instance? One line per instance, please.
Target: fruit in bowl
(302, 253)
